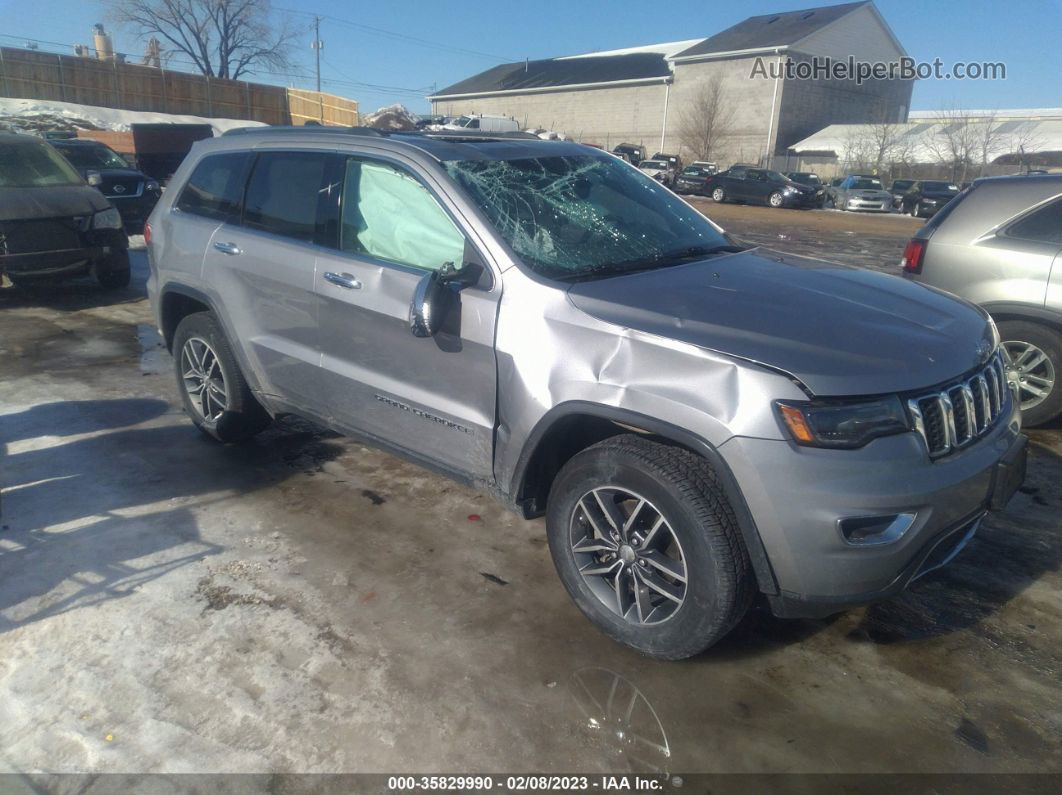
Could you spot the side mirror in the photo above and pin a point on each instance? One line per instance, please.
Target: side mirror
(435, 294)
(93, 178)
(427, 308)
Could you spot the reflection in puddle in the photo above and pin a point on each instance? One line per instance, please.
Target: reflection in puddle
(621, 718)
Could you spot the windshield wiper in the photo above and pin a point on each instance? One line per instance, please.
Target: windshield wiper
(660, 260)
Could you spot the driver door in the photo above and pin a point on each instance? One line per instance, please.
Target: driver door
(434, 397)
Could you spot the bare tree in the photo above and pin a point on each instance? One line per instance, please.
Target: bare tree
(706, 121)
(1024, 142)
(955, 143)
(223, 38)
(857, 148)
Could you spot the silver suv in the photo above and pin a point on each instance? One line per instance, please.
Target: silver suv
(701, 425)
(999, 244)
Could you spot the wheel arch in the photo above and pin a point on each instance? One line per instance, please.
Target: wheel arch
(176, 302)
(1006, 310)
(570, 427)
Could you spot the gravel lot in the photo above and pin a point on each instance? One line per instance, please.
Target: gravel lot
(305, 603)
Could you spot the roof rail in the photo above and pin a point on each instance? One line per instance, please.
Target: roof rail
(475, 135)
(309, 128)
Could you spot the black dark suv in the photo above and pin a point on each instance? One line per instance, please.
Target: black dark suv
(52, 224)
(132, 192)
(762, 186)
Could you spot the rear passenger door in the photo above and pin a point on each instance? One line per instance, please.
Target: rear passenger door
(431, 397)
(262, 267)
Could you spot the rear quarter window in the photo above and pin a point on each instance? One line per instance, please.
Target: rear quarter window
(216, 186)
(1043, 225)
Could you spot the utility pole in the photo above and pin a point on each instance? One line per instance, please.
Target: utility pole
(317, 52)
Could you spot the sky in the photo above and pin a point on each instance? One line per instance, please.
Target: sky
(396, 51)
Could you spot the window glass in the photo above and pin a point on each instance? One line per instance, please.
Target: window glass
(737, 173)
(1045, 224)
(389, 215)
(283, 192)
(91, 155)
(577, 216)
(215, 187)
(32, 164)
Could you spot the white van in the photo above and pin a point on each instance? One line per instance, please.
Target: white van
(484, 123)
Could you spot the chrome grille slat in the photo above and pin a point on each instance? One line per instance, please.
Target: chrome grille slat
(959, 413)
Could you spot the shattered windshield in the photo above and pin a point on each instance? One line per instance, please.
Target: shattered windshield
(582, 216)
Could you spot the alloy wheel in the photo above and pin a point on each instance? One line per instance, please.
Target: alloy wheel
(718, 194)
(776, 200)
(1031, 370)
(628, 555)
(203, 379)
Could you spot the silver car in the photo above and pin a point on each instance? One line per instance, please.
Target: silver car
(999, 244)
(861, 192)
(702, 425)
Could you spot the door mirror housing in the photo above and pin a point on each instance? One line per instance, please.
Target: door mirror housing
(435, 295)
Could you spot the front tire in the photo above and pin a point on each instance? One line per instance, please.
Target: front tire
(647, 545)
(1034, 361)
(114, 273)
(213, 390)
(776, 199)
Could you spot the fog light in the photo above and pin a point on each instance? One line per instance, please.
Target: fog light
(873, 530)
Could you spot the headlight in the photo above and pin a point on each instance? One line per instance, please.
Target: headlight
(151, 185)
(839, 424)
(789, 189)
(107, 219)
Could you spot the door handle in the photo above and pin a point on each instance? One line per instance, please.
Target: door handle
(228, 248)
(343, 280)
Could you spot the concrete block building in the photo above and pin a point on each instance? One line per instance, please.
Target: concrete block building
(643, 95)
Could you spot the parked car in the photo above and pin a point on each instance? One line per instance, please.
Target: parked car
(811, 180)
(999, 244)
(483, 123)
(697, 421)
(660, 170)
(633, 153)
(759, 185)
(673, 160)
(131, 192)
(862, 192)
(52, 223)
(926, 197)
(692, 180)
(898, 188)
(830, 191)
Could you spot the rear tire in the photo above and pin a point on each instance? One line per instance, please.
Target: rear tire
(214, 392)
(1036, 351)
(114, 273)
(617, 569)
(718, 195)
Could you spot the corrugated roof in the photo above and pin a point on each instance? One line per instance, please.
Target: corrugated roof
(771, 30)
(562, 72)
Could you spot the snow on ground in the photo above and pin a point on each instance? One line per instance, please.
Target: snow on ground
(17, 111)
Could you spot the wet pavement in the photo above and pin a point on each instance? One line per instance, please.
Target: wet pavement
(307, 603)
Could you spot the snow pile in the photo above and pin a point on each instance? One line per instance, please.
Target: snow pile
(35, 115)
(394, 117)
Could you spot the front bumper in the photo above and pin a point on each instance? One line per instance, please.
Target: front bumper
(96, 246)
(801, 200)
(879, 205)
(798, 496)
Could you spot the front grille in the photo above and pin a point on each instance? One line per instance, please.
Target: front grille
(961, 412)
(122, 187)
(43, 234)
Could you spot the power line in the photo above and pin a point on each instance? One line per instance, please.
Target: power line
(398, 36)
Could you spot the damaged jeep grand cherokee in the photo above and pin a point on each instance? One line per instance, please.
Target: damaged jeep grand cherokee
(699, 423)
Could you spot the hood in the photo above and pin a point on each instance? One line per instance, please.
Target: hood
(114, 173)
(871, 194)
(839, 330)
(59, 201)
